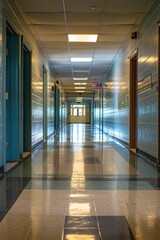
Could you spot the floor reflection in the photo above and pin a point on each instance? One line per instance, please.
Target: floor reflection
(81, 184)
(12, 185)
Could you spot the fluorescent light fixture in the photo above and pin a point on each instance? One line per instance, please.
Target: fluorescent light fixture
(80, 87)
(82, 37)
(80, 79)
(80, 71)
(81, 59)
(80, 83)
(79, 91)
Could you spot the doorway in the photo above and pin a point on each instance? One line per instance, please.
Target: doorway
(79, 114)
(44, 103)
(12, 95)
(26, 99)
(133, 102)
(56, 108)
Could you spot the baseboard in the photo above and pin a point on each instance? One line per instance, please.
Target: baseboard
(147, 157)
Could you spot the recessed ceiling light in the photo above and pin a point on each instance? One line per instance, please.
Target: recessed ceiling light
(80, 83)
(82, 37)
(80, 79)
(79, 91)
(81, 59)
(80, 71)
(80, 87)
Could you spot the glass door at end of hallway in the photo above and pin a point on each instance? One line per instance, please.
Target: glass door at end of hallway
(77, 114)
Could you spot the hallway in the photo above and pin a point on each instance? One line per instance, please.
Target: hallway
(81, 185)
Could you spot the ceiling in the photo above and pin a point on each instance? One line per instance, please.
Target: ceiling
(52, 20)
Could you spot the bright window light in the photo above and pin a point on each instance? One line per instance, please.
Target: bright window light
(80, 79)
(80, 87)
(81, 59)
(80, 83)
(82, 37)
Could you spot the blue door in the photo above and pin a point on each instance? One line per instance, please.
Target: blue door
(12, 97)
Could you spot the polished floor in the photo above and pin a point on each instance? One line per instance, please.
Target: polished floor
(82, 185)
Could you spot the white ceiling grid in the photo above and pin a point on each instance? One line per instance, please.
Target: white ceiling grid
(52, 20)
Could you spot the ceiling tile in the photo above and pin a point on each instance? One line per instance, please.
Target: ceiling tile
(103, 57)
(81, 29)
(64, 74)
(48, 29)
(42, 6)
(120, 18)
(67, 79)
(95, 78)
(98, 71)
(79, 51)
(111, 38)
(54, 50)
(83, 19)
(80, 75)
(84, 6)
(52, 38)
(85, 65)
(47, 18)
(60, 61)
(99, 64)
(60, 65)
(111, 20)
(56, 45)
(108, 45)
(116, 29)
(125, 6)
(106, 51)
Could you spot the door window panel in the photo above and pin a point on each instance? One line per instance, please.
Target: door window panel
(80, 111)
(75, 112)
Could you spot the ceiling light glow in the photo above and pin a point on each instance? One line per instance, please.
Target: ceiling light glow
(80, 83)
(81, 59)
(82, 37)
(80, 71)
(80, 79)
(80, 87)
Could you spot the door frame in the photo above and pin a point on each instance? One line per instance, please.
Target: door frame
(56, 108)
(45, 105)
(133, 101)
(158, 160)
(78, 118)
(26, 98)
(3, 163)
